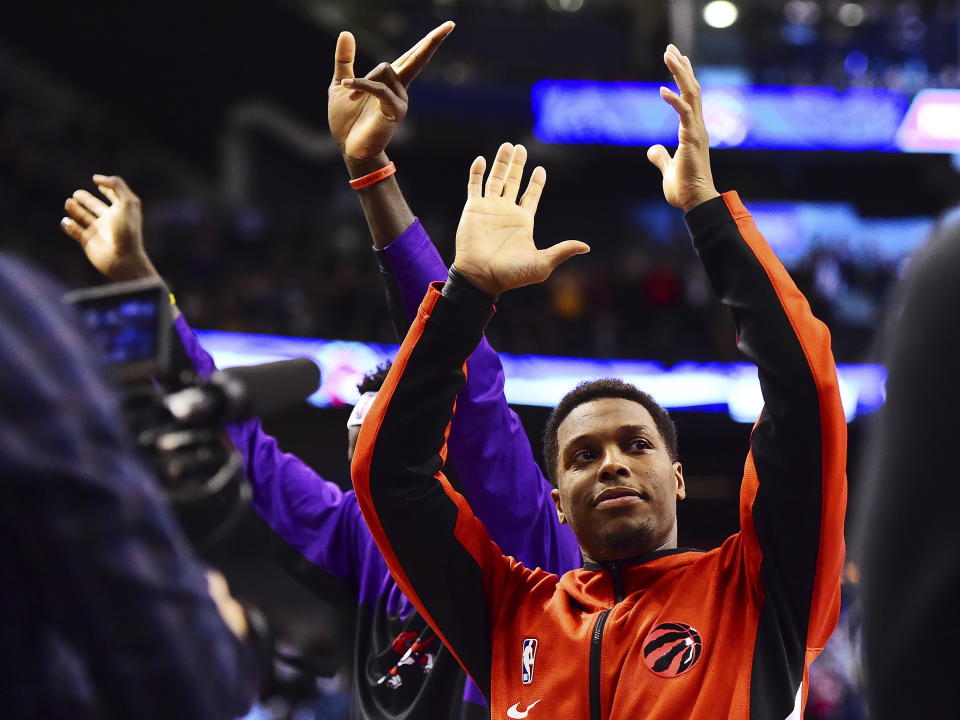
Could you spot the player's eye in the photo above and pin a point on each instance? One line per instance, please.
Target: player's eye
(639, 445)
(584, 455)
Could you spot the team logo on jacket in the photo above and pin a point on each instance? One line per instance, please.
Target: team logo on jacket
(412, 649)
(528, 656)
(672, 648)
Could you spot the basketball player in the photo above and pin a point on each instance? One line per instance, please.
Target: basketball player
(644, 629)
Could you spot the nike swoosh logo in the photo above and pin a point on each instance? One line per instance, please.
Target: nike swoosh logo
(515, 713)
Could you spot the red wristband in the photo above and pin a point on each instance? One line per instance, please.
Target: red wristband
(374, 177)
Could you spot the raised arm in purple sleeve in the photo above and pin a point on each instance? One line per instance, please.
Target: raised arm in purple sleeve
(313, 515)
(488, 445)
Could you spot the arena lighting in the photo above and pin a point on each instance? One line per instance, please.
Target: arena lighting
(565, 5)
(541, 380)
(720, 14)
(802, 12)
(751, 117)
(851, 14)
(932, 123)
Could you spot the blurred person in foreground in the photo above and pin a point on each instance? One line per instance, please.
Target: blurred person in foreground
(908, 536)
(644, 629)
(401, 669)
(106, 614)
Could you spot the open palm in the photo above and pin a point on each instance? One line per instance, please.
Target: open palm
(111, 235)
(495, 246)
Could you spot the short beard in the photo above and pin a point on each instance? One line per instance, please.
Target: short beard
(636, 540)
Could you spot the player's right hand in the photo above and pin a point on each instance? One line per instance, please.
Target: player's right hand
(364, 112)
(110, 235)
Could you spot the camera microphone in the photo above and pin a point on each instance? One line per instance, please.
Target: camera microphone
(249, 391)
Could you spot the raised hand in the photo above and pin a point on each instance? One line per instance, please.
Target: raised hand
(364, 112)
(495, 247)
(110, 235)
(687, 179)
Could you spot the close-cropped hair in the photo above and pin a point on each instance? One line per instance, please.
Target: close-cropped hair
(372, 382)
(595, 390)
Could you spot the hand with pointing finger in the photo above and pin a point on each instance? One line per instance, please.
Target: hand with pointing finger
(110, 235)
(495, 247)
(687, 179)
(365, 112)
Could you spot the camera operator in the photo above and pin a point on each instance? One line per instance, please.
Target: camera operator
(105, 612)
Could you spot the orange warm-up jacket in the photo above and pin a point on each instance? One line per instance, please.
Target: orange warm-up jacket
(728, 633)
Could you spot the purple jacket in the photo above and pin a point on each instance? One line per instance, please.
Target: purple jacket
(401, 670)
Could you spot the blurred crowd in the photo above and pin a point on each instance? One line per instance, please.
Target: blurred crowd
(313, 275)
(901, 45)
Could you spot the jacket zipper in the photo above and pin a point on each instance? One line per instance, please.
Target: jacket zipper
(596, 645)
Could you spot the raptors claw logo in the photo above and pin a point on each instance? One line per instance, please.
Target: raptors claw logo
(672, 648)
(413, 655)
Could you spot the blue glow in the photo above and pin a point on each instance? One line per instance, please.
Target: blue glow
(798, 230)
(749, 117)
(541, 380)
(795, 230)
(856, 64)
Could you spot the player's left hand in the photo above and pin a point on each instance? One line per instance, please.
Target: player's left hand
(495, 247)
(687, 178)
(364, 112)
(110, 235)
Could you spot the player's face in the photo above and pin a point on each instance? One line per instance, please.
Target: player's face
(618, 488)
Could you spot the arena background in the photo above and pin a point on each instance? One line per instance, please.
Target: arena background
(215, 114)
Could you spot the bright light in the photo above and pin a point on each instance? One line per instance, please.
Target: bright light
(802, 12)
(565, 5)
(720, 14)
(851, 14)
(932, 123)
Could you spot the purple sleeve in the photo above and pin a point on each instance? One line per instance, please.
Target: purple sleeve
(488, 445)
(313, 515)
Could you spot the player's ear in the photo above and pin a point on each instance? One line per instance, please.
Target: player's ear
(681, 484)
(555, 494)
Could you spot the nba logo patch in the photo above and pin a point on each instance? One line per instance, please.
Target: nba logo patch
(528, 657)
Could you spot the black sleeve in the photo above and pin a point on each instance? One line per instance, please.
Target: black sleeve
(437, 550)
(793, 494)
